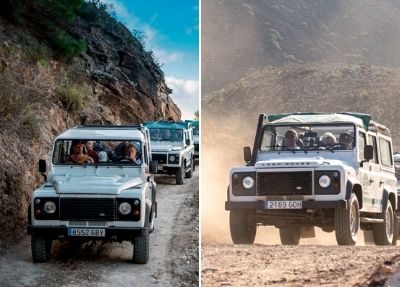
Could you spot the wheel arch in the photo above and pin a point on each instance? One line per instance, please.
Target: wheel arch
(356, 189)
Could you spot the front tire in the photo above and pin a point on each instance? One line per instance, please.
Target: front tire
(189, 174)
(384, 233)
(141, 250)
(290, 235)
(347, 222)
(41, 248)
(179, 175)
(243, 230)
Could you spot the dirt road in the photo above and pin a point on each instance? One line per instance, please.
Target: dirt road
(304, 265)
(175, 240)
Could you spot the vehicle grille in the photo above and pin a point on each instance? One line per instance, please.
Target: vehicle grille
(161, 158)
(196, 147)
(284, 183)
(87, 209)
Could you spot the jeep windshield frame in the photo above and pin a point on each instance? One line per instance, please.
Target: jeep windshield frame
(308, 137)
(64, 148)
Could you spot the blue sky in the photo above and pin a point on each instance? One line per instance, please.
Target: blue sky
(171, 30)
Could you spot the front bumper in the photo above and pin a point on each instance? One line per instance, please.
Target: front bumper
(306, 204)
(59, 232)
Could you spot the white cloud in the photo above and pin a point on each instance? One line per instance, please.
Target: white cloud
(168, 57)
(185, 94)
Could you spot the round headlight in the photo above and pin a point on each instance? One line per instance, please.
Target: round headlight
(37, 201)
(50, 207)
(124, 208)
(171, 158)
(324, 181)
(248, 182)
(136, 202)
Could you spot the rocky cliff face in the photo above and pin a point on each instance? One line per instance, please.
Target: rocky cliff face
(114, 81)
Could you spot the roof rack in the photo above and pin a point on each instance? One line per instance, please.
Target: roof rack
(375, 127)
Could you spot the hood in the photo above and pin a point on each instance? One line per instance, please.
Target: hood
(94, 184)
(296, 162)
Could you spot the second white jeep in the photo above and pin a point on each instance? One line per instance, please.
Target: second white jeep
(172, 147)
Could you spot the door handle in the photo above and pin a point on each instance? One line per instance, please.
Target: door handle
(371, 180)
(381, 182)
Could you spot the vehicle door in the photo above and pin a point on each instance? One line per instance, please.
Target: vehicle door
(365, 174)
(374, 173)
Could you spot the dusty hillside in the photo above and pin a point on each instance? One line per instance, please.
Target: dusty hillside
(242, 36)
(230, 115)
(50, 73)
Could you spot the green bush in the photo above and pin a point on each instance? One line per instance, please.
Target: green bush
(66, 9)
(63, 44)
(74, 96)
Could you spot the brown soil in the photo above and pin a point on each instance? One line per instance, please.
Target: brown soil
(311, 265)
(109, 264)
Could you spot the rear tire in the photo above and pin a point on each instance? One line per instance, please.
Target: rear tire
(41, 248)
(290, 235)
(384, 233)
(396, 229)
(243, 231)
(141, 250)
(347, 222)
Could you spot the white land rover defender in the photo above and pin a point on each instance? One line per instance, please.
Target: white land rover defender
(334, 171)
(103, 192)
(172, 147)
(196, 139)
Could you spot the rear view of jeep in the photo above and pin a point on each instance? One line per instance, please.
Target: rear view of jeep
(306, 170)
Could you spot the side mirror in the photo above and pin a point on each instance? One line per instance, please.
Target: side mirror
(42, 168)
(247, 154)
(153, 167)
(368, 152)
(187, 141)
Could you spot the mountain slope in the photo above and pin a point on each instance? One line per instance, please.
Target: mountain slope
(242, 36)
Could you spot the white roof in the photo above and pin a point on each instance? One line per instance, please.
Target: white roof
(99, 133)
(320, 119)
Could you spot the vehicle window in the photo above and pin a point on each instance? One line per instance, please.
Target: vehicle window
(196, 130)
(361, 145)
(173, 135)
(372, 141)
(83, 151)
(385, 152)
(308, 137)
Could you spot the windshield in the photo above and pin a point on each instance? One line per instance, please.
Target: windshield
(171, 135)
(196, 130)
(308, 137)
(75, 152)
